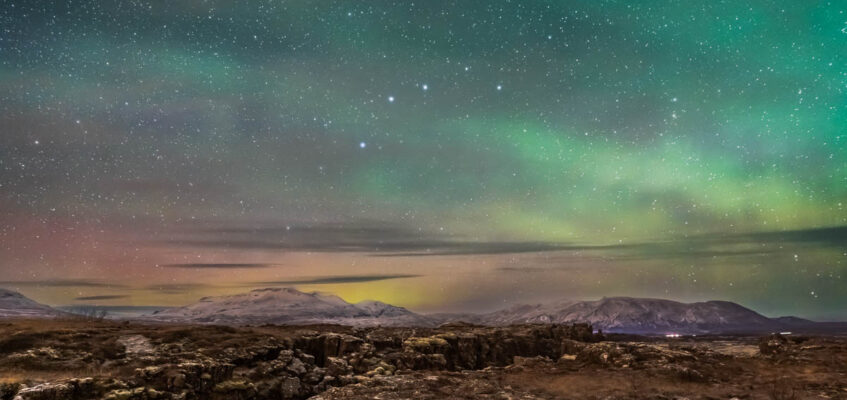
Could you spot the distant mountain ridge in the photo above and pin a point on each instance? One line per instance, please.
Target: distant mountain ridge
(611, 314)
(290, 307)
(16, 305)
(640, 315)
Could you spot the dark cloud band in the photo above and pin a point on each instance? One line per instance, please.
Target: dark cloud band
(395, 241)
(62, 283)
(101, 297)
(217, 265)
(337, 279)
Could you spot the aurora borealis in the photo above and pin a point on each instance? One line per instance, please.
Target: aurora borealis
(437, 155)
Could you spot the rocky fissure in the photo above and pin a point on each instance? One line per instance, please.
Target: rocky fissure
(117, 361)
(302, 365)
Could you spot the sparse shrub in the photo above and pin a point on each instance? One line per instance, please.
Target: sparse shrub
(782, 390)
(18, 342)
(176, 335)
(108, 349)
(8, 390)
(90, 313)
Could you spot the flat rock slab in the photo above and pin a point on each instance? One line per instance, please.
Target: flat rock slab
(136, 345)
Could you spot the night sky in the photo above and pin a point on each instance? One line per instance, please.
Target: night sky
(438, 155)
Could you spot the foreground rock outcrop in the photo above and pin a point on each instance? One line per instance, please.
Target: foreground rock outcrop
(68, 360)
(264, 365)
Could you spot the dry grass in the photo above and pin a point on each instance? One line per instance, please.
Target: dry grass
(751, 377)
(600, 383)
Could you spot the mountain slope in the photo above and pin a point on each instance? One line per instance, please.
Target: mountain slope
(16, 305)
(612, 314)
(290, 307)
(639, 315)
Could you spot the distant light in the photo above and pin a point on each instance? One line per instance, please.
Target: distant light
(362, 145)
(37, 142)
(672, 335)
(425, 86)
(390, 99)
(499, 87)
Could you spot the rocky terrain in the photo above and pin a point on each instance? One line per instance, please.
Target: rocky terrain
(276, 344)
(64, 359)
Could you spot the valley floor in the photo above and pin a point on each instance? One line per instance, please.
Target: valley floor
(92, 359)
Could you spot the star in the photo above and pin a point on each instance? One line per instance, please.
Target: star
(248, 115)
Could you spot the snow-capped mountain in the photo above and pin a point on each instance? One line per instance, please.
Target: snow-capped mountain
(16, 305)
(639, 315)
(290, 307)
(286, 306)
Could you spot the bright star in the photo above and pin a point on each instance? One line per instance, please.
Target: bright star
(425, 86)
(390, 99)
(362, 145)
(499, 87)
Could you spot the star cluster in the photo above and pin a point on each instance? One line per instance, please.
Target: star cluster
(471, 153)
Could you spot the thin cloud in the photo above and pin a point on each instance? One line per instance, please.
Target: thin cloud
(527, 269)
(835, 236)
(101, 297)
(218, 265)
(337, 279)
(177, 288)
(462, 248)
(62, 283)
(753, 244)
(387, 240)
(356, 237)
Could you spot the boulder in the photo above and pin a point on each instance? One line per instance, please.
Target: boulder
(296, 367)
(234, 390)
(774, 344)
(69, 389)
(337, 366)
(289, 388)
